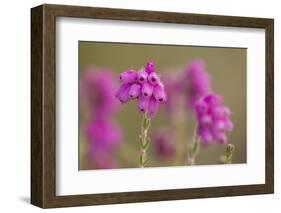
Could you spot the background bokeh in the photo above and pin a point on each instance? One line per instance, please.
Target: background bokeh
(227, 68)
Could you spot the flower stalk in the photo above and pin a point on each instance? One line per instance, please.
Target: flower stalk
(193, 149)
(144, 140)
(229, 153)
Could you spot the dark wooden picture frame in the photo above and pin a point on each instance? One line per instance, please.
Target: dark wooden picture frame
(43, 105)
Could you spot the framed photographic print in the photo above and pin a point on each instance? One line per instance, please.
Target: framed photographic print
(135, 106)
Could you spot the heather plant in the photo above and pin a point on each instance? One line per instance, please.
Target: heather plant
(144, 86)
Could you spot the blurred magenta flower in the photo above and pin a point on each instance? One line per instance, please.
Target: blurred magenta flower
(97, 90)
(162, 144)
(97, 87)
(197, 80)
(213, 119)
(143, 85)
(104, 136)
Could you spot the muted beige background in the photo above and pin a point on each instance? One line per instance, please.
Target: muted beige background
(227, 66)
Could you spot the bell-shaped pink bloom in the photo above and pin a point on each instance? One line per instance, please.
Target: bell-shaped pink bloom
(143, 103)
(205, 119)
(228, 124)
(201, 107)
(213, 119)
(153, 79)
(147, 90)
(135, 90)
(123, 93)
(128, 76)
(150, 67)
(153, 106)
(220, 137)
(142, 76)
(159, 93)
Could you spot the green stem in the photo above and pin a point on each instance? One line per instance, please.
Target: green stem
(144, 140)
(229, 153)
(193, 149)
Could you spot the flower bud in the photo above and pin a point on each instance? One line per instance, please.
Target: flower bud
(150, 67)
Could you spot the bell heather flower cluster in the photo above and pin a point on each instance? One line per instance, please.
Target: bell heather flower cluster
(198, 82)
(97, 89)
(213, 119)
(143, 85)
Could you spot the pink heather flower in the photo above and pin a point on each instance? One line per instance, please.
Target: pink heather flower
(143, 85)
(153, 79)
(198, 82)
(97, 88)
(143, 104)
(103, 133)
(162, 144)
(128, 76)
(213, 119)
(123, 93)
(135, 90)
(159, 93)
(142, 76)
(147, 90)
(104, 137)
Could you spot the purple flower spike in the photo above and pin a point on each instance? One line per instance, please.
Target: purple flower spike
(135, 90)
(142, 77)
(128, 76)
(153, 107)
(143, 103)
(213, 119)
(123, 93)
(147, 90)
(145, 85)
(150, 67)
(159, 93)
(198, 82)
